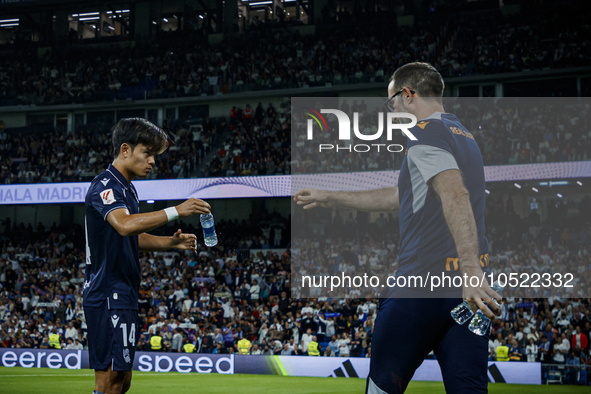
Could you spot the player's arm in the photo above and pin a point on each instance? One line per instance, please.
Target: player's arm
(153, 243)
(376, 200)
(126, 224)
(457, 209)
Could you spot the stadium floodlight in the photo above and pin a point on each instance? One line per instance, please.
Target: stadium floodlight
(93, 18)
(150, 202)
(8, 20)
(261, 3)
(154, 23)
(201, 16)
(579, 183)
(517, 185)
(558, 183)
(165, 20)
(89, 14)
(9, 24)
(559, 195)
(543, 183)
(534, 189)
(487, 191)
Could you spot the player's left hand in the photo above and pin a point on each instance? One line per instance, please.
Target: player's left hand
(483, 298)
(184, 241)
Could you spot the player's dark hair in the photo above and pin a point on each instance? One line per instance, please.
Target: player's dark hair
(135, 131)
(422, 77)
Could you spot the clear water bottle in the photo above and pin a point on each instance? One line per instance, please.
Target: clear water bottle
(209, 235)
(462, 313)
(480, 324)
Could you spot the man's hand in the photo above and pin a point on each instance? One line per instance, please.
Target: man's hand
(477, 296)
(184, 241)
(312, 198)
(192, 206)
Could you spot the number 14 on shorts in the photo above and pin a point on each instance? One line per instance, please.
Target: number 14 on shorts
(126, 339)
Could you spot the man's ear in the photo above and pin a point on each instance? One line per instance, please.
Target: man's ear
(125, 150)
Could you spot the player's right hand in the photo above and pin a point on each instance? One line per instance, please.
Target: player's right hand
(312, 198)
(192, 206)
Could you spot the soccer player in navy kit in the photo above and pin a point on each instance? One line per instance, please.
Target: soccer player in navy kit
(115, 234)
(440, 196)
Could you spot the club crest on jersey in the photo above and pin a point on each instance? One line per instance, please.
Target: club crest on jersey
(114, 320)
(107, 197)
(105, 181)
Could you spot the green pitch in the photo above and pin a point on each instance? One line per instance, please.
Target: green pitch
(64, 381)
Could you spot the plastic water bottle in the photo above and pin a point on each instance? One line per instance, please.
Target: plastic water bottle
(462, 313)
(209, 235)
(480, 324)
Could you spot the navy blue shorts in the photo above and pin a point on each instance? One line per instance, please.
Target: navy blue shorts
(406, 330)
(111, 337)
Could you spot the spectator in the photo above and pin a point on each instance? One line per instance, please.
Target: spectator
(256, 351)
(177, 341)
(344, 346)
(71, 331)
(544, 349)
(356, 346)
(515, 351)
(286, 351)
(306, 339)
(558, 352)
(532, 351)
(579, 340)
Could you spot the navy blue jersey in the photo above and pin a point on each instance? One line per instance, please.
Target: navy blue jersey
(112, 261)
(426, 243)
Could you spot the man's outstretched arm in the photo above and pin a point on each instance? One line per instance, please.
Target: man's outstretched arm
(376, 200)
(154, 243)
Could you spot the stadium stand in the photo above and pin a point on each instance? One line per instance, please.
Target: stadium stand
(273, 57)
(260, 145)
(494, 44)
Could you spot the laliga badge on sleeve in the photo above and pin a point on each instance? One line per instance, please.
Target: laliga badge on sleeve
(107, 197)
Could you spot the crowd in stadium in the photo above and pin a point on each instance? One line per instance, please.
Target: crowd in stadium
(258, 142)
(508, 131)
(184, 67)
(213, 299)
(272, 58)
(524, 42)
(59, 157)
